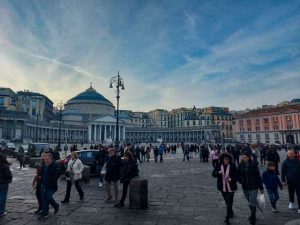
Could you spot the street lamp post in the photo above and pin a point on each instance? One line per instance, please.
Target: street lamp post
(60, 106)
(119, 82)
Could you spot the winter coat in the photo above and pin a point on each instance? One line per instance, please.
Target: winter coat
(75, 167)
(249, 176)
(101, 156)
(290, 171)
(129, 170)
(5, 174)
(233, 174)
(273, 156)
(271, 180)
(113, 167)
(49, 179)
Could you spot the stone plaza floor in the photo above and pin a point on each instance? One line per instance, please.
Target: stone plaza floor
(180, 193)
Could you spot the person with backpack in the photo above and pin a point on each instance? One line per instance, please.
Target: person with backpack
(73, 175)
(129, 170)
(227, 175)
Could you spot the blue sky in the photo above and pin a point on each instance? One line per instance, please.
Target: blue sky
(170, 53)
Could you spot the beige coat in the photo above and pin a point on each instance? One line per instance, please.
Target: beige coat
(75, 168)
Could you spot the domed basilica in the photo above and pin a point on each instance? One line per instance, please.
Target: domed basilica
(98, 113)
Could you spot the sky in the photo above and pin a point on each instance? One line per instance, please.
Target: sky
(170, 54)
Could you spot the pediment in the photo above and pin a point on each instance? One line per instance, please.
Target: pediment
(107, 118)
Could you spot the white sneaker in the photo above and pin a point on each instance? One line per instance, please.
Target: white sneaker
(274, 210)
(298, 211)
(292, 206)
(100, 184)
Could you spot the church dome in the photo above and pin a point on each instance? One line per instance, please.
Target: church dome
(90, 104)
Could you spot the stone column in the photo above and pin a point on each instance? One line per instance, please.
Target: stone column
(100, 132)
(105, 132)
(90, 133)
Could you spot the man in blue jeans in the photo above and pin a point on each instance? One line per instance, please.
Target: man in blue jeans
(50, 174)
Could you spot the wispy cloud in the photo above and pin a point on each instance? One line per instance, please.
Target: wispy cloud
(169, 54)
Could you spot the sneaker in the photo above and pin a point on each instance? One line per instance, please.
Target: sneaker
(292, 205)
(274, 210)
(65, 201)
(81, 197)
(43, 216)
(119, 205)
(298, 211)
(100, 184)
(3, 214)
(39, 211)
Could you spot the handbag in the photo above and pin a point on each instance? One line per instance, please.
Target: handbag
(69, 174)
(103, 170)
(261, 202)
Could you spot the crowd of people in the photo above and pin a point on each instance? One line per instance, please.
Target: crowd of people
(232, 164)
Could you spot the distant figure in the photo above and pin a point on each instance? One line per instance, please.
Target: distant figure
(21, 157)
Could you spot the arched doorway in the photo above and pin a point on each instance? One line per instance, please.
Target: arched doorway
(290, 139)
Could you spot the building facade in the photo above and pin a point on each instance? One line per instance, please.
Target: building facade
(173, 135)
(279, 125)
(221, 116)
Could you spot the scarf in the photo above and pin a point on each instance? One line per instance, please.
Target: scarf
(225, 177)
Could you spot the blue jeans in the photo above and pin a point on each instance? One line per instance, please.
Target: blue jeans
(251, 196)
(273, 196)
(3, 196)
(47, 198)
(99, 168)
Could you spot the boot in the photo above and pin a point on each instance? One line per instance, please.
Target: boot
(253, 215)
(226, 221)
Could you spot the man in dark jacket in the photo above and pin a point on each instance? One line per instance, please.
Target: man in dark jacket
(273, 156)
(129, 170)
(100, 159)
(49, 177)
(290, 175)
(5, 179)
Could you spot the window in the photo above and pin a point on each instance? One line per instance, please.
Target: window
(290, 126)
(1, 101)
(267, 137)
(242, 137)
(33, 107)
(266, 128)
(257, 121)
(289, 118)
(249, 129)
(257, 128)
(275, 119)
(275, 127)
(241, 122)
(266, 120)
(248, 122)
(276, 136)
(249, 137)
(258, 137)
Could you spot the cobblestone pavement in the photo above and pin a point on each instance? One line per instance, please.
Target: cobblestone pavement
(180, 193)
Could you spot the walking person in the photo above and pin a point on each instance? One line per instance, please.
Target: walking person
(36, 185)
(161, 152)
(21, 157)
(271, 180)
(100, 160)
(112, 176)
(155, 152)
(49, 177)
(215, 156)
(129, 170)
(5, 180)
(290, 176)
(186, 151)
(273, 156)
(251, 181)
(227, 175)
(74, 175)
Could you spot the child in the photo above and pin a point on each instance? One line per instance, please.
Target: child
(271, 181)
